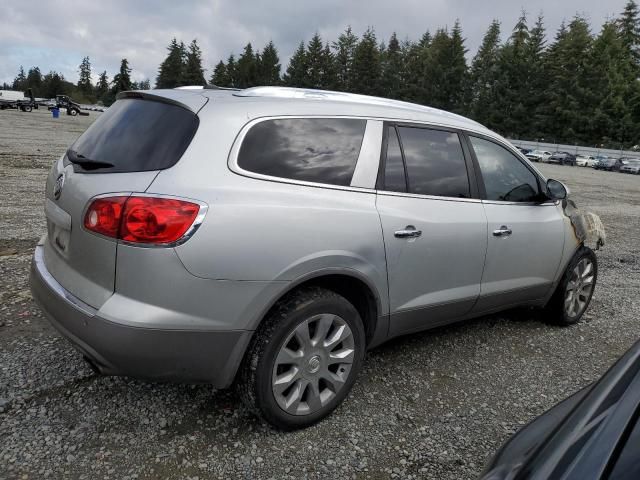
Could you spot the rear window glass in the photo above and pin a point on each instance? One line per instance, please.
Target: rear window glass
(136, 135)
(319, 150)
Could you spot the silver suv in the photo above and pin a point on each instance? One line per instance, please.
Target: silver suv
(268, 237)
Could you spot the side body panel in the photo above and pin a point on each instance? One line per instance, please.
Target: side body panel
(436, 277)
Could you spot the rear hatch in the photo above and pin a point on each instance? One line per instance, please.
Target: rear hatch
(120, 153)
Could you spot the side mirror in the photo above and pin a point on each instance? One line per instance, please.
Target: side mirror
(556, 190)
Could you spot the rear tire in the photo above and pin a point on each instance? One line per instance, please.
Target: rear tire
(303, 360)
(573, 294)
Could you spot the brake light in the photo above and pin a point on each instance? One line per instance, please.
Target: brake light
(145, 220)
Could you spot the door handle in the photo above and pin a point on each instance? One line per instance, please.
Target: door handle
(408, 232)
(503, 231)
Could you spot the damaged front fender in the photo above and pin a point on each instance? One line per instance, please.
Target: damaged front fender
(587, 226)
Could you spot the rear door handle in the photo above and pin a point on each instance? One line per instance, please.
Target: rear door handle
(408, 232)
(503, 231)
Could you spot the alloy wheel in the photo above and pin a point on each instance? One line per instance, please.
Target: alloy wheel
(579, 288)
(313, 364)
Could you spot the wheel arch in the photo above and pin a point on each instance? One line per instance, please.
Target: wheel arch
(352, 285)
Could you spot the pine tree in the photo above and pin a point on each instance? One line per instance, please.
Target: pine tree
(457, 71)
(52, 84)
(219, 76)
(34, 81)
(247, 68)
(536, 83)
(232, 71)
(144, 84)
(102, 87)
(629, 28)
(269, 66)
(122, 80)
(296, 75)
(367, 65)
(193, 73)
(20, 82)
(84, 79)
(171, 72)
(484, 75)
(568, 83)
(344, 50)
(315, 63)
(392, 69)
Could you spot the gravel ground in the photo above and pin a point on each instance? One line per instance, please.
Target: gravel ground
(433, 405)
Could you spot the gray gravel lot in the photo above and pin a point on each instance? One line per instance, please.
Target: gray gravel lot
(433, 405)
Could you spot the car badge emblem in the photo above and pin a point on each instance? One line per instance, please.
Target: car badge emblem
(57, 188)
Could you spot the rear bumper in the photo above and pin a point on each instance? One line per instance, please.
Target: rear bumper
(199, 356)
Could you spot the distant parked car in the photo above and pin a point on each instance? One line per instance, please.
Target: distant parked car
(632, 166)
(609, 164)
(563, 158)
(524, 151)
(586, 161)
(594, 434)
(538, 155)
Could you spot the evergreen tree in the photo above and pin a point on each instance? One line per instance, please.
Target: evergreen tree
(34, 81)
(232, 71)
(84, 79)
(122, 80)
(392, 69)
(296, 75)
(171, 72)
(247, 68)
(52, 85)
(484, 76)
(629, 28)
(193, 73)
(367, 65)
(344, 50)
(219, 77)
(568, 83)
(102, 87)
(456, 79)
(20, 82)
(269, 66)
(144, 84)
(315, 63)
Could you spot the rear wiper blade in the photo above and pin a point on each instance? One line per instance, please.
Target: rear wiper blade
(87, 163)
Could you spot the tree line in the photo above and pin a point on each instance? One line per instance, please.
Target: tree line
(580, 87)
(53, 83)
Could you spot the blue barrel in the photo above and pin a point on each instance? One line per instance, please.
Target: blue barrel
(55, 112)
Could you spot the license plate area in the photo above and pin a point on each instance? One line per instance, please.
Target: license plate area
(58, 227)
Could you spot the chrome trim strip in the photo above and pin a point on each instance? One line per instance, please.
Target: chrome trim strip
(427, 197)
(366, 171)
(53, 284)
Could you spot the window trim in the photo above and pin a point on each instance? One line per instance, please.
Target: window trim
(232, 159)
(481, 186)
(474, 192)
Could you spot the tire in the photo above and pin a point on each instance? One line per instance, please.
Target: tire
(312, 310)
(561, 310)
(73, 112)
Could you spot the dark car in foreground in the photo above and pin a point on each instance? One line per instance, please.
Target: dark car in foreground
(594, 434)
(609, 164)
(563, 158)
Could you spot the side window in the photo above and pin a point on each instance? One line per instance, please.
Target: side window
(394, 178)
(435, 162)
(505, 177)
(319, 150)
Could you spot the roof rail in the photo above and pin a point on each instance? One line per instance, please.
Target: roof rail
(211, 86)
(313, 94)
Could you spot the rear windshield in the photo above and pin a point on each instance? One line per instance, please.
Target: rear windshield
(136, 135)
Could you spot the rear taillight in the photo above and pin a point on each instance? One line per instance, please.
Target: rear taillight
(145, 220)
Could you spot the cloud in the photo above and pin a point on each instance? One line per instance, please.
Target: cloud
(56, 35)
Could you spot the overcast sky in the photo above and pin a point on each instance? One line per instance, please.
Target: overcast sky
(56, 34)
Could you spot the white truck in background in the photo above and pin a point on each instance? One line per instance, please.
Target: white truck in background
(20, 100)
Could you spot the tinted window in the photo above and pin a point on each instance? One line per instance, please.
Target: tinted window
(321, 150)
(136, 135)
(394, 178)
(505, 177)
(435, 162)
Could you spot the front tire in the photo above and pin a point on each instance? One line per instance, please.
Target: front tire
(573, 294)
(303, 360)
